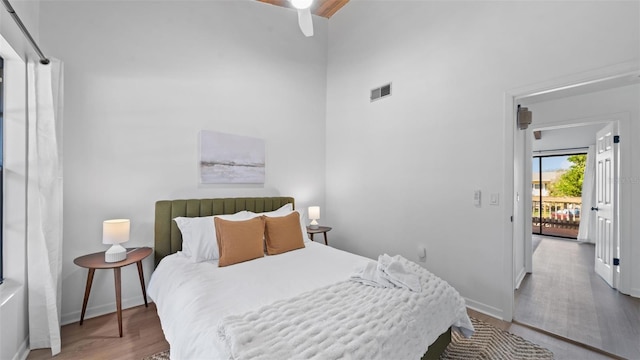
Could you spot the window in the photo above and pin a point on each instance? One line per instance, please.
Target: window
(1, 166)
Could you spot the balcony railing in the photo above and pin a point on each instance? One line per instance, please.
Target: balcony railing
(557, 216)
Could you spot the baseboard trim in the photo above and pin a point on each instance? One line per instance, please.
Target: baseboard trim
(485, 309)
(520, 277)
(23, 351)
(100, 310)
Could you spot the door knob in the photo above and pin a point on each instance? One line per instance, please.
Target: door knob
(594, 209)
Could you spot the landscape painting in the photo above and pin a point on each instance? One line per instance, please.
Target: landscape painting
(231, 159)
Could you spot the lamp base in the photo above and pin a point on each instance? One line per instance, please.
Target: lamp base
(115, 253)
(313, 225)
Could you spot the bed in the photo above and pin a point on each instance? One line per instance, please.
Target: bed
(211, 311)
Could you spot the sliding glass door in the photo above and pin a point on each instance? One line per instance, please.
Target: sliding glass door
(556, 188)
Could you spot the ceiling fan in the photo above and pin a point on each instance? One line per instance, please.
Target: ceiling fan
(323, 8)
(304, 15)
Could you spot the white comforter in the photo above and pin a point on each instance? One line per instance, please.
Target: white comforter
(354, 321)
(192, 299)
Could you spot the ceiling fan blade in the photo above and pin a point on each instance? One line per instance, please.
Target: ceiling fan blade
(305, 21)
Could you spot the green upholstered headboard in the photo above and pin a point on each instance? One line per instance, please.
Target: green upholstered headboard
(168, 239)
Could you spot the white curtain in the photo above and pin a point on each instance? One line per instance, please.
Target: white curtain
(44, 202)
(586, 231)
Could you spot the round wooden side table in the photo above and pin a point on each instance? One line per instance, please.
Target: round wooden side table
(96, 261)
(319, 230)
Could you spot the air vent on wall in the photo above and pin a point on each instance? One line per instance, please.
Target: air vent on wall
(379, 93)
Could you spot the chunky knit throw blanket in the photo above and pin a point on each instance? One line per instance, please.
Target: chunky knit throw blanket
(349, 320)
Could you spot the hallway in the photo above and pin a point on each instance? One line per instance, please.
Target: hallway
(564, 296)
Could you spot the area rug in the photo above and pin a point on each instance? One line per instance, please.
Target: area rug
(164, 355)
(488, 342)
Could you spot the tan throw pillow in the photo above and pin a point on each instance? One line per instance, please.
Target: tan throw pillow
(283, 233)
(239, 241)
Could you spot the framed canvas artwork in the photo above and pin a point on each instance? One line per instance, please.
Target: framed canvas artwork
(231, 159)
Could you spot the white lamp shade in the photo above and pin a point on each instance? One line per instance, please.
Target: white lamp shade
(301, 4)
(314, 212)
(115, 231)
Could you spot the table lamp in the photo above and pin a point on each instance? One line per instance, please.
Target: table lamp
(115, 232)
(314, 214)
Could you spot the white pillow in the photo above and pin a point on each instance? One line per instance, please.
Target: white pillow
(285, 209)
(199, 241)
(303, 219)
(303, 225)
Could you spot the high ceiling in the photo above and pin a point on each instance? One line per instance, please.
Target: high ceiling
(324, 8)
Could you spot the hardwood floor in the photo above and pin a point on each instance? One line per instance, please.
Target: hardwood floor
(565, 297)
(98, 338)
(562, 350)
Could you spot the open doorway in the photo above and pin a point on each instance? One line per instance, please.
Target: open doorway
(562, 294)
(556, 190)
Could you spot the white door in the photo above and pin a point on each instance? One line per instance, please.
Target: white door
(606, 209)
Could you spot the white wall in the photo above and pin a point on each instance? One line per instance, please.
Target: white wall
(141, 79)
(28, 11)
(15, 49)
(401, 171)
(618, 103)
(564, 138)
